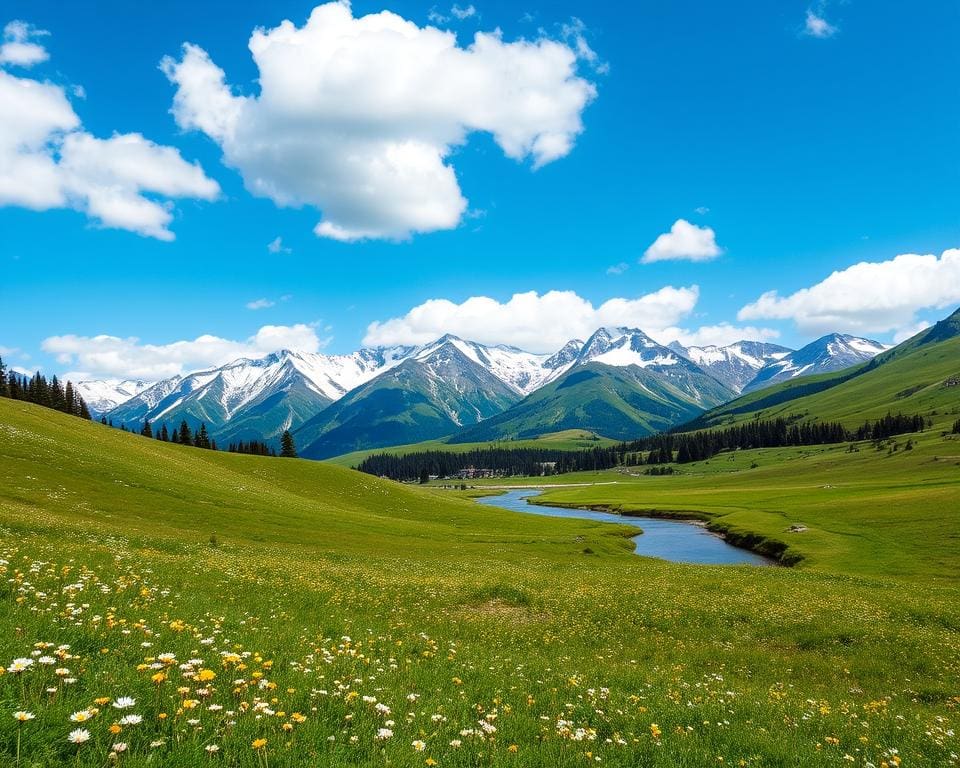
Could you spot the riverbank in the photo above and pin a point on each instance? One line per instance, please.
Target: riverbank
(676, 539)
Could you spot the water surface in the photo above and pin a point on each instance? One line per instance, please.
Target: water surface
(676, 540)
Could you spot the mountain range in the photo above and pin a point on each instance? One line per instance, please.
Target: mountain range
(619, 383)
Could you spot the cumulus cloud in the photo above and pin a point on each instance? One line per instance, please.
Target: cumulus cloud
(358, 116)
(113, 356)
(48, 161)
(869, 297)
(816, 25)
(20, 47)
(684, 241)
(534, 322)
(719, 335)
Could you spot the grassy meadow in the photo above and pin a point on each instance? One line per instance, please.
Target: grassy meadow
(167, 606)
(565, 440)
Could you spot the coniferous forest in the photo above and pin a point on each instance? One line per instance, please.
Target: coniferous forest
(663, 448)
(36, 389)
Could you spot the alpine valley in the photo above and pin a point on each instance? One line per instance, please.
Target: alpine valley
(619, 383)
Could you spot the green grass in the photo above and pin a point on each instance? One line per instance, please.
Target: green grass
(566, 440)
(325, 590)
(866, 513)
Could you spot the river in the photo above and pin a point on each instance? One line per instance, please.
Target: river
(677, 540)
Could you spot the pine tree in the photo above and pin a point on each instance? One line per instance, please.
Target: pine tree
(58, 399)
(287, 448)
(201, 439)
(185, 437)
(147, 429)
(69, 401)
(164, 434)
(4, 390)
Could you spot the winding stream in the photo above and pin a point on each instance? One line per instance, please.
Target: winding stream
(676, 540)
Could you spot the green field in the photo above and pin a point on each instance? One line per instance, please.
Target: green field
(567, 440)
(284, 611)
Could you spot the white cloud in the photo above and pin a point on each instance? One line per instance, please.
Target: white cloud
(534, 322)
(105, 356)
(48, 161)
(463, 13)
(358, 117)
(816, 25)
(575, 33)
(720, 335)
(684, 241)
(618, 269)
(260, 304)
(910, 331)
(19, 46)
(276, 246)
(869, 297)
(702, 210)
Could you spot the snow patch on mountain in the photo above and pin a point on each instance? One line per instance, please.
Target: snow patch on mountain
(833, 352)
(102, 395)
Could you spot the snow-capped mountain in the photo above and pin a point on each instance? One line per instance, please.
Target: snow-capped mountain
(405, 394)
(265, 395)
(734, 365)
(828, 353)
(523, 372)
(442, 387)
(625, 346)
(103, 395)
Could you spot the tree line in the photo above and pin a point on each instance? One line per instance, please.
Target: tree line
(200, 438)
(37, 390)
(497, 460)
(656, 450)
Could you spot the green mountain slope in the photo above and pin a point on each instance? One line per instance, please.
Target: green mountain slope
(921, 375)
(617, 402)
(418, 400)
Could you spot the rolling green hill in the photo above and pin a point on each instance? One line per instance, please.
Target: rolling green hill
(921, 375)
(293, 613)
(619, 402)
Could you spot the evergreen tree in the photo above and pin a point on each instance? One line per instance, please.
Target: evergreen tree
(70, 400)
(201, 439)
(147, 429)
(58, 399)
(4, 391)
(164, 434)
(287, 448)
(185, 437)
(424, 476)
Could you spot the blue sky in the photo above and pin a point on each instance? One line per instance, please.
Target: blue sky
(805, 154)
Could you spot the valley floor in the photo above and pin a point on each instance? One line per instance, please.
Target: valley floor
(186, 607)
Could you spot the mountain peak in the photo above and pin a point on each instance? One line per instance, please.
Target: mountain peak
(832, 352)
